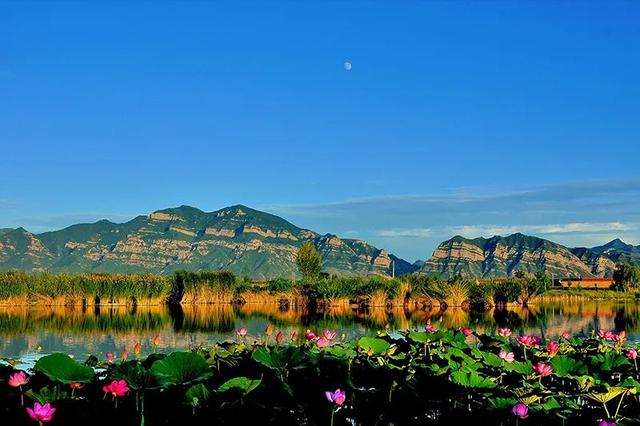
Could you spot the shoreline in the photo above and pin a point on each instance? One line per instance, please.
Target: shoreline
(297, 300)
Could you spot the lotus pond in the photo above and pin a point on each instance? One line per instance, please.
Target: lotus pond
(420, 376)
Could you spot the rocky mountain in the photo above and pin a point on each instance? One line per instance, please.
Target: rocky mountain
(601, 265)
(502, 256)
(619, 251)
(238, 238)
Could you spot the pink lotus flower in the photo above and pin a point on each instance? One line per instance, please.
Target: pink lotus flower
(429, 327)
(507, 356)
(520, 410)
(310, 335)
(632, 354)
(338, 397)
(504, 332)
(329, 335)
(528, 341)
(41, 413)
(242, 331)
(466, 331)
(279, 336)
(117, 388)
(110, 357)
(607, 335)
(552, 348)
(323, 343)
(125, 355)
(294, 335)
(565, 335)
(18, 379)
(543, 369)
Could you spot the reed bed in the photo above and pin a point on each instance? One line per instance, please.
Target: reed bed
(204, 287)
(83, 289)
(579, 295)
(278, 299)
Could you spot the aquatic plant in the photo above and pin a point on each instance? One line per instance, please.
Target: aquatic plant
(437, 376)
(41, 413)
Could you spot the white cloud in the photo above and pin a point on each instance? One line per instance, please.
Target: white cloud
(400, 232)
(564, 228)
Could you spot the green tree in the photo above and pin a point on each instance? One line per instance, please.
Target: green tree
(534, 286)
(309, 261)
(519, 274)
(626, 277)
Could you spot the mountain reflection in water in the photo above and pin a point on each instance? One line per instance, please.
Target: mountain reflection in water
(98, 330)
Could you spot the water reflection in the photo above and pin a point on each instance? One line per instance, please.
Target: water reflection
(98, 330)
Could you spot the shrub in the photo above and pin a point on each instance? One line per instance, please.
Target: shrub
(507, 292)
(481, 294)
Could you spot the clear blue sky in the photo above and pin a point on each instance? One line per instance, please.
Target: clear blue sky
(457, 117)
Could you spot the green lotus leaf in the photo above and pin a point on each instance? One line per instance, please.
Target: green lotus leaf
(373, 346)
(60, 367)
(136, 376)
(197, 395)
(472, 380)
(563, 365)
(181, 368)
(243, 384)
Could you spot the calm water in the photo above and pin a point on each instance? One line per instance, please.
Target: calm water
(97, 331)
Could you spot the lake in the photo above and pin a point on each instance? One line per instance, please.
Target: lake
(110, 329)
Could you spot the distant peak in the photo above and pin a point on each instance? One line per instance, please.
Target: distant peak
(182, 208)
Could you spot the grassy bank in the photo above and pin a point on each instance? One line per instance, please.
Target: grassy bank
(578, 294)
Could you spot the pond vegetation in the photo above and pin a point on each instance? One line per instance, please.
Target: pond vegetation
(419, 376)
(189, 288)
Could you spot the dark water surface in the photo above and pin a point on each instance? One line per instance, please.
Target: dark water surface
(111, 329)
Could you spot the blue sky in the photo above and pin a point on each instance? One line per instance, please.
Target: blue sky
(457, 117)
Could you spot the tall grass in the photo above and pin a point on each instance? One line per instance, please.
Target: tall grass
(92, 288)
(204, 287)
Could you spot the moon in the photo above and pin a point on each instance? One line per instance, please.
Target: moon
(347, 66)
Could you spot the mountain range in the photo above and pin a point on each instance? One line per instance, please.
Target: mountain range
(502, 256)
(245, 241)
(260, 245)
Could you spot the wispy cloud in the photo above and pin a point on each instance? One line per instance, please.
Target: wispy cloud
(581, 212)
(402, 233)
(566, 228)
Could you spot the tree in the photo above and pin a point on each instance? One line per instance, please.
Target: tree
(626, 277)
(520, 275)
(535, 286)
(309, 261)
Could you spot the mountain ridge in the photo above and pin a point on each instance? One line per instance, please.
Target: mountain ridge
(236, 238)
(500, 256)
(262, 245)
